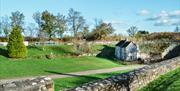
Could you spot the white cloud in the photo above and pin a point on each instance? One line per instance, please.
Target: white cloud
(162, 22)
(165, 18)
(144, 12)
(175, 14)
(115, 22)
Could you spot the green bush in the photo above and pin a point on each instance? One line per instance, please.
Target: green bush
(16, 47)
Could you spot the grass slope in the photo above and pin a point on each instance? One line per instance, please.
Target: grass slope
(167, 82)
(67, 83)
(37, 64)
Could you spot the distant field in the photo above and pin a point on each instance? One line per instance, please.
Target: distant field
(37, 64)
(167, 82)
(67, 83)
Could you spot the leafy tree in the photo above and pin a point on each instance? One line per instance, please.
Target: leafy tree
(132, 31)
(48, 24)
(17, 19)
(76, 21)
(102, 30)
(61, 25)
(16, 47)
(177, 29)
(5, 26)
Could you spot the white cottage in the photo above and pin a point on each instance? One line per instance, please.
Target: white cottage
(126, 50)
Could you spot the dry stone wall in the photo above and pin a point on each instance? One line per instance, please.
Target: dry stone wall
(37, 84)
(131, 81)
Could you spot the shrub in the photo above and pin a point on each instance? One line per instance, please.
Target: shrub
(3, 39)
(16, 47)
(154, 47)
(81, 48)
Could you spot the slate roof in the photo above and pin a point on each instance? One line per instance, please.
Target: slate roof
(120, 43)
(126, 44)
(123, 43)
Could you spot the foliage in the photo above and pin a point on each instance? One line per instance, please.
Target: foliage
(76, 21)
(162, 35)
(81, 48)
(67, 38)
(154, 47)
(132, 31)
(141, 34)
(16, 47)
(167, 82)
(101, 31)
(17, 19)
(3, 39)
(85, 33)
(61, 25)
(48, 25)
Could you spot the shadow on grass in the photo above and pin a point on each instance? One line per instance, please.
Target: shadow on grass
(69, 83)
(73, 75)
(107, 52)
(3, 52)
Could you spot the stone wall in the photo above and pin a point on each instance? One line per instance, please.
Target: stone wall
(37, 84)
(132, 80)
(172, 51)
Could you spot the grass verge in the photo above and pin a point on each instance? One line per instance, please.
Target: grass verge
(167, 82)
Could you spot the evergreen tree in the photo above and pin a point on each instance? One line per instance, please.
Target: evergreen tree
(16, 47)
(177, 29)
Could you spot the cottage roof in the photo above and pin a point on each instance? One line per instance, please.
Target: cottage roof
(126, 44)
(120, 43)
(123, 43)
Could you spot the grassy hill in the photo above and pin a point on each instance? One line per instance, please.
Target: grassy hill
(37, 64)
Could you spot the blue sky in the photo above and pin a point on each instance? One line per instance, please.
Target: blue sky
(151, 15)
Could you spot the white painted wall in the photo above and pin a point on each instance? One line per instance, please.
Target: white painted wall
(5, 43)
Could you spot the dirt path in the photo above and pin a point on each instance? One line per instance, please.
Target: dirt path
(75, 74)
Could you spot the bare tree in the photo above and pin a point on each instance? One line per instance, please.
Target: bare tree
(17, 19)
(76, 21)
(132, 31)
(37, 18)
(31, 30)
(5, 26)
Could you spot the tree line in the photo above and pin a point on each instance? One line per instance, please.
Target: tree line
(51, 26)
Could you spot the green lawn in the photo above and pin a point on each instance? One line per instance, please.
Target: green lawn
(67, 83)
(167, 82)
(37, 64)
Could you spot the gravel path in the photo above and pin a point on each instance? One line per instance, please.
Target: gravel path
(75, 74)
